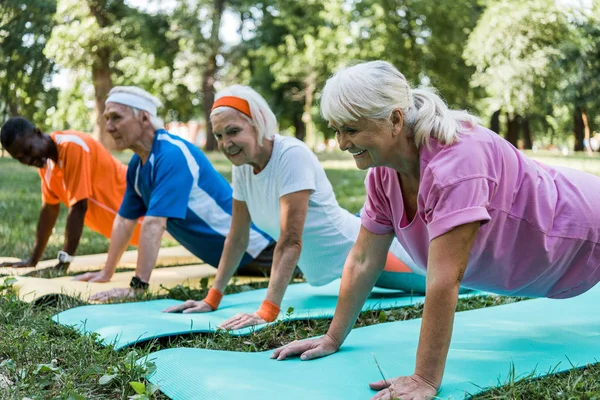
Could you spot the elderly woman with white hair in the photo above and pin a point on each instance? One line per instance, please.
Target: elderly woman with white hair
(279, 185)
(467, 206)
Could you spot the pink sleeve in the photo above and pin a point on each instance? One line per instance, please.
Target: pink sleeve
(376, 216)
(459, 203)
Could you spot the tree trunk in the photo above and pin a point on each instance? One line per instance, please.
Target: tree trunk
(102, 85)
(526, 129)
(586, 130)
(495, 121)
(299, 127)
(310, 85)
(101, 75)
(512, 129)
(578, 129)
(13, 108)
(210, 69)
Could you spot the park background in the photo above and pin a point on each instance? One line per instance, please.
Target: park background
(529, 69)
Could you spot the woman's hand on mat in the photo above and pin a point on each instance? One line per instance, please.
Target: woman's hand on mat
(18, 264)
(240, 321)
(99, 276)
(308, 349)
(189, 306)
(405, 387)
(113, 294)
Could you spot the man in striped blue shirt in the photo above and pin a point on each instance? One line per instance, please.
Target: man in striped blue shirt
(175, 188)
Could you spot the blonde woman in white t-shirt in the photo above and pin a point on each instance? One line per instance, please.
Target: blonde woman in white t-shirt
(279, 185)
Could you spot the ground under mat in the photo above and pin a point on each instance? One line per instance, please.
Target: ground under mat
(129, 323)
(177, 255)
(32, 289)
(535, 336)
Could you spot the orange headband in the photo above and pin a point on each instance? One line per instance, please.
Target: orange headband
(234, 102)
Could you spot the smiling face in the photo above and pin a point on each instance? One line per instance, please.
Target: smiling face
(375, 143)
(236, 137)
(367, 140)
(34, 149)
(122, 124)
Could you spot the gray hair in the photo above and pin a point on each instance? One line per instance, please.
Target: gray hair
(372, 90)
(263, 119)
(156, 122)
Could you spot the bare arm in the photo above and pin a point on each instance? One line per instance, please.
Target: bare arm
(236, 244)
(120, 236)
(294, 207)
(47, 220)
(151, 233)
(74, 228)
(363, 266)
(361, 270)
(446, 264)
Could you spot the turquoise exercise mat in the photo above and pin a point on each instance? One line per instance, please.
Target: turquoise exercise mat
(541, 336)
(129, 323)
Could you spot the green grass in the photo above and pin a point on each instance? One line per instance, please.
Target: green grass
(41, 360)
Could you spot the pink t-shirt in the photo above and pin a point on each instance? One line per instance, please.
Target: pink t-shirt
(540, 225)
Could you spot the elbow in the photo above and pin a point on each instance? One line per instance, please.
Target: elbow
(290, 244)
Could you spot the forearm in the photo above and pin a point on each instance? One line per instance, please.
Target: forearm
(74, 229)
(122, 231)
(358, 280)
(46, 221)
(436, 331)
(150, 237)
(233, 252)
(285, 258)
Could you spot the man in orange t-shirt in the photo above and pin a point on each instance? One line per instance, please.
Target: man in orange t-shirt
(75, 170)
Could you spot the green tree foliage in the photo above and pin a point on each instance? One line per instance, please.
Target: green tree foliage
(533, 59)
(291, 49)
(424, 39)
(25, 74)
(118, 45)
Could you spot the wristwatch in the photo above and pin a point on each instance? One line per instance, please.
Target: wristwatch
(137, 283)
(64, 257)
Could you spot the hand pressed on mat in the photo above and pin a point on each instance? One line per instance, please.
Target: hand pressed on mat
(114, 294)
(18, 264)
(240, 321)
(99, 276)
(308, 349)
(405, 387)
(189, 306)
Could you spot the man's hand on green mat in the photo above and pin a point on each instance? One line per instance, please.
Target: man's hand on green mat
(308, 349)
(190, 306)
(99, 276)
(241, 321)
(405, 387)
(114, 294)
(18, 264)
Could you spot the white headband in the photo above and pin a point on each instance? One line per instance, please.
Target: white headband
(133, 100)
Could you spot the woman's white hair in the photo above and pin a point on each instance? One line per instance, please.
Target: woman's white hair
(263, 119)
(156, 122)
(372, 90)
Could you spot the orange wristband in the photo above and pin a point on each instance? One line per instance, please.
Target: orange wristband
(214, 298)
(268, 311)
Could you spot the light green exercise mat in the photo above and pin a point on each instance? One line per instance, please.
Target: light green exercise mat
(128, 323)
(535, 335)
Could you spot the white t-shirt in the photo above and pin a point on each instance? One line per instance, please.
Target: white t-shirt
(329, 230)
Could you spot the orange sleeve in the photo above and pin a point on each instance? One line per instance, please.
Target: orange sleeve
(48, 196)
(76, 173)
